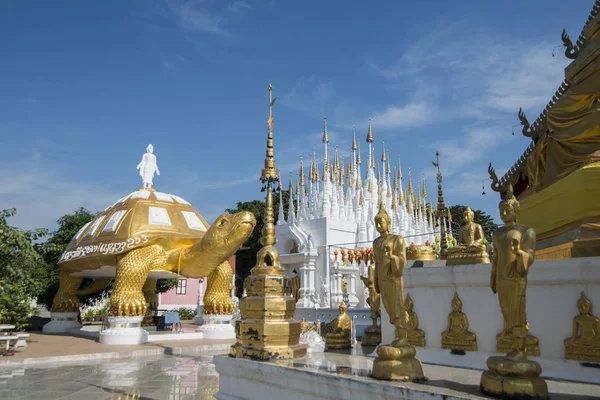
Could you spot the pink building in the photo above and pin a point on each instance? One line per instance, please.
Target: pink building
(185, 294)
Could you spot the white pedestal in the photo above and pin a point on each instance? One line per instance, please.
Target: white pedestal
(198, 318)
(61, 321)
(217, 327)
(124, 330)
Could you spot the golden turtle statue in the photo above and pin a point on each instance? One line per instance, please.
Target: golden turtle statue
(149, 233)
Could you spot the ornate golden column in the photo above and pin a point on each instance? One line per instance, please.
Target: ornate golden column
(267, 329)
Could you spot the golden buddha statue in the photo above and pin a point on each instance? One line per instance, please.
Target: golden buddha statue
(341, 330)
(457, 335)
(512, 375)
(372, 334)
(584, 344)
(471, 243)
(295, 286)
(395, 361)
(415, 336)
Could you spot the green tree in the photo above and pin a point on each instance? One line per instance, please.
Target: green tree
(52, 249)
(487, 222)
(245, 260)
(22, 271)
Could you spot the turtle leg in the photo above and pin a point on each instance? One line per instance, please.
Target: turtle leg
(217, 299)
(66, 298)
(150, 295)
(132, 271)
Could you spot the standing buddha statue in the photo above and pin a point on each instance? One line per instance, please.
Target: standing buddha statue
(372, 334)
(512, 375)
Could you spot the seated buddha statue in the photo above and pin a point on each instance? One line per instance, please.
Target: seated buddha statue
(584, 344)
(341, 328)
(457, 335)
(416, 337)
(470, 248)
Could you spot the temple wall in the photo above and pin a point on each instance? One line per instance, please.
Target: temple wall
(554, 286)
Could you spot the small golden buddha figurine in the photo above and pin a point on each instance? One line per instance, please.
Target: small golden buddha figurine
(341, 328)
(416, 337)
(471, 243)
(584, 344)
(372, 334)
(295, 286)
(513, 375)
(395, 361)
(457, 335)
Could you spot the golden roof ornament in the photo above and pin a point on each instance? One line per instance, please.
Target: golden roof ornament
(370, 133)
(354, 146)
(358, 160)
(302, 183)
(269, 173)
(325, 135)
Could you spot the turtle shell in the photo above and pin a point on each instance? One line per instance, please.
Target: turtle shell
(136, 220)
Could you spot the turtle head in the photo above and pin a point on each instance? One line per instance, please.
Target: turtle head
(228, 233)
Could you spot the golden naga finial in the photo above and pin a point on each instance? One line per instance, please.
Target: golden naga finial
(325, 135)
(354, 147)
(302, 183)
(370, 133)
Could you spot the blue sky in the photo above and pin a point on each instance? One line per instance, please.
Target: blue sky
(86, 85)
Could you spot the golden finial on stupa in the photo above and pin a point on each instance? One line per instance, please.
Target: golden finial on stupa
(342, 170)
(354, 146)
(399, 169)
(449, 217)
(297, 185)
(325, 135)
(336, 162)
(349, 170)
(370, 133)
(389, 168)
(317, 175)
(372, 160)
(396, 180)
(358, 161)
(383, 155)
(424, 193)
(302, 183)
(291, 186)
(269, 172)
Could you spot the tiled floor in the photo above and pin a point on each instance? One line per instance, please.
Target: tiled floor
(159, 377)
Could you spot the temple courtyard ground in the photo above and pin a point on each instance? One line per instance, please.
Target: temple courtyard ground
(66, 367)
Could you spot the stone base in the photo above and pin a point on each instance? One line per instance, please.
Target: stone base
(217, 327)
(466, 259)
(505, 344)
(61, 322)
(397, 363)
(268, 353)
(589, 354)
(371, 338)
(124, 330)
(464, 345)
(338, 344)
(513, 388)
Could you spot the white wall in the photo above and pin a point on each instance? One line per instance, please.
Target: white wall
(554, 286)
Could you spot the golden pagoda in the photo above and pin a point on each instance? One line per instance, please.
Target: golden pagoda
(267, 329)
(557, 178)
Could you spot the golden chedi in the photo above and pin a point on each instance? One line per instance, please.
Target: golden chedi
(341, 330)
(584, 343)
(372, 334)
(415, 336)
(395, 361)
(471, 243)
(513, 375)
(267, 329)
(457, 336)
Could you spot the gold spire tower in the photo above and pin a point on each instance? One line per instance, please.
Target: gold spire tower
(267, 329)
(441, 210)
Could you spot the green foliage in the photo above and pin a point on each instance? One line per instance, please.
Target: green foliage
(163, 285)
(52, 249)
(245, 260)
(186, 313)
(22, 271)
(486, 221)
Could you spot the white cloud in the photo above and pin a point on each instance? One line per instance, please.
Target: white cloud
(409, 115)
(238, 6)
(309, 95)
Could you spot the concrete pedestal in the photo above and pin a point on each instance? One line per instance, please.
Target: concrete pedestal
(217, 327)
(61, 322)
(124, 330)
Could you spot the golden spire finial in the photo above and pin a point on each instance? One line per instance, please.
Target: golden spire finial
(424, 195)
(358, 161)
(383, 158)
(399, 169)
(269, 172)
(342, 170)
(297, 186)
(378, 176)
(354, 147)
(291, 185)
(302, 183)
(362, 197)
(325, 135)
(317, 175)
(372, 160)
(389, 169)
(336, 162)
(349, 170)
(370, 133)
